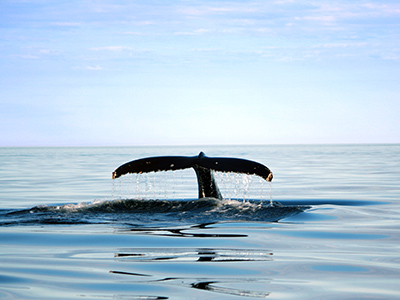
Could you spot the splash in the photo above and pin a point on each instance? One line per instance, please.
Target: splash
(156, 185)
(160, 197)
(145, 211)
(244, 186)
(271, 202)
(182, 184)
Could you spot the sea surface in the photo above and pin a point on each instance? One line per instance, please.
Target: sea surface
(68, 231)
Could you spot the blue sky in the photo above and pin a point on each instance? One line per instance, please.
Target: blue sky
(93, 73)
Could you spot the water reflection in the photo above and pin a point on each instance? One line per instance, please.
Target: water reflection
(182, 232)
(179, 232)
(216, 285)
(129, 273)
(194, 255)
(213, 287)
(130, 297)
(222, 285)
(225, 284)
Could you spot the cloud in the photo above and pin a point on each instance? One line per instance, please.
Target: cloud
(36, 52)
(133, 33)
(46, 51)
(331, 12)
(392, 9)
(30, 56)
(89, 68)
(112, 48)
(66, 24)
(217, 10)
(194, 32)
(325, 19)
(340, 45)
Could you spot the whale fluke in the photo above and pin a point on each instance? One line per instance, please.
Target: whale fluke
(202, 165)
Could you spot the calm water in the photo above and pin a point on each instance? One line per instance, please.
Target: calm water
(67, 231)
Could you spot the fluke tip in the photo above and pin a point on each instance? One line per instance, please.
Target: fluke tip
(270, 176)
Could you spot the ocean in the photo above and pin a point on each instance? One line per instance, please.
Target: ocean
(68, 231)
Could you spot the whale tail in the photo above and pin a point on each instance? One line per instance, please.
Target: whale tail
(202, 165)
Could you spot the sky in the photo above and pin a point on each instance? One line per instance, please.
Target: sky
(188, 72)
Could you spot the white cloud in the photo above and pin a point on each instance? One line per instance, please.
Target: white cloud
(325, 19)
(336, 11)
(30, 56)
(133, 33)
(210, 10)
(112, 48)
(94, 68)
(340, 45)
(35, 52)
(90, 68)
(393, 9)
(194, 32)
(66, 24)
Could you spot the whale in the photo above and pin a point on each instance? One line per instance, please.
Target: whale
(202, 165)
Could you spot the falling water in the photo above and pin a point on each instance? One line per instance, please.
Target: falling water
(179, 184)
(242, 186)
(271, 202)
(182, 184)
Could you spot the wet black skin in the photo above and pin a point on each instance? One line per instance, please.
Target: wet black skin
(202, 165)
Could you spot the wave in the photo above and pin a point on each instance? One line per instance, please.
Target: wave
(143, 211)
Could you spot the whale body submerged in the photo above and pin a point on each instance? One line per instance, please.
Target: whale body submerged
(203, 166)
